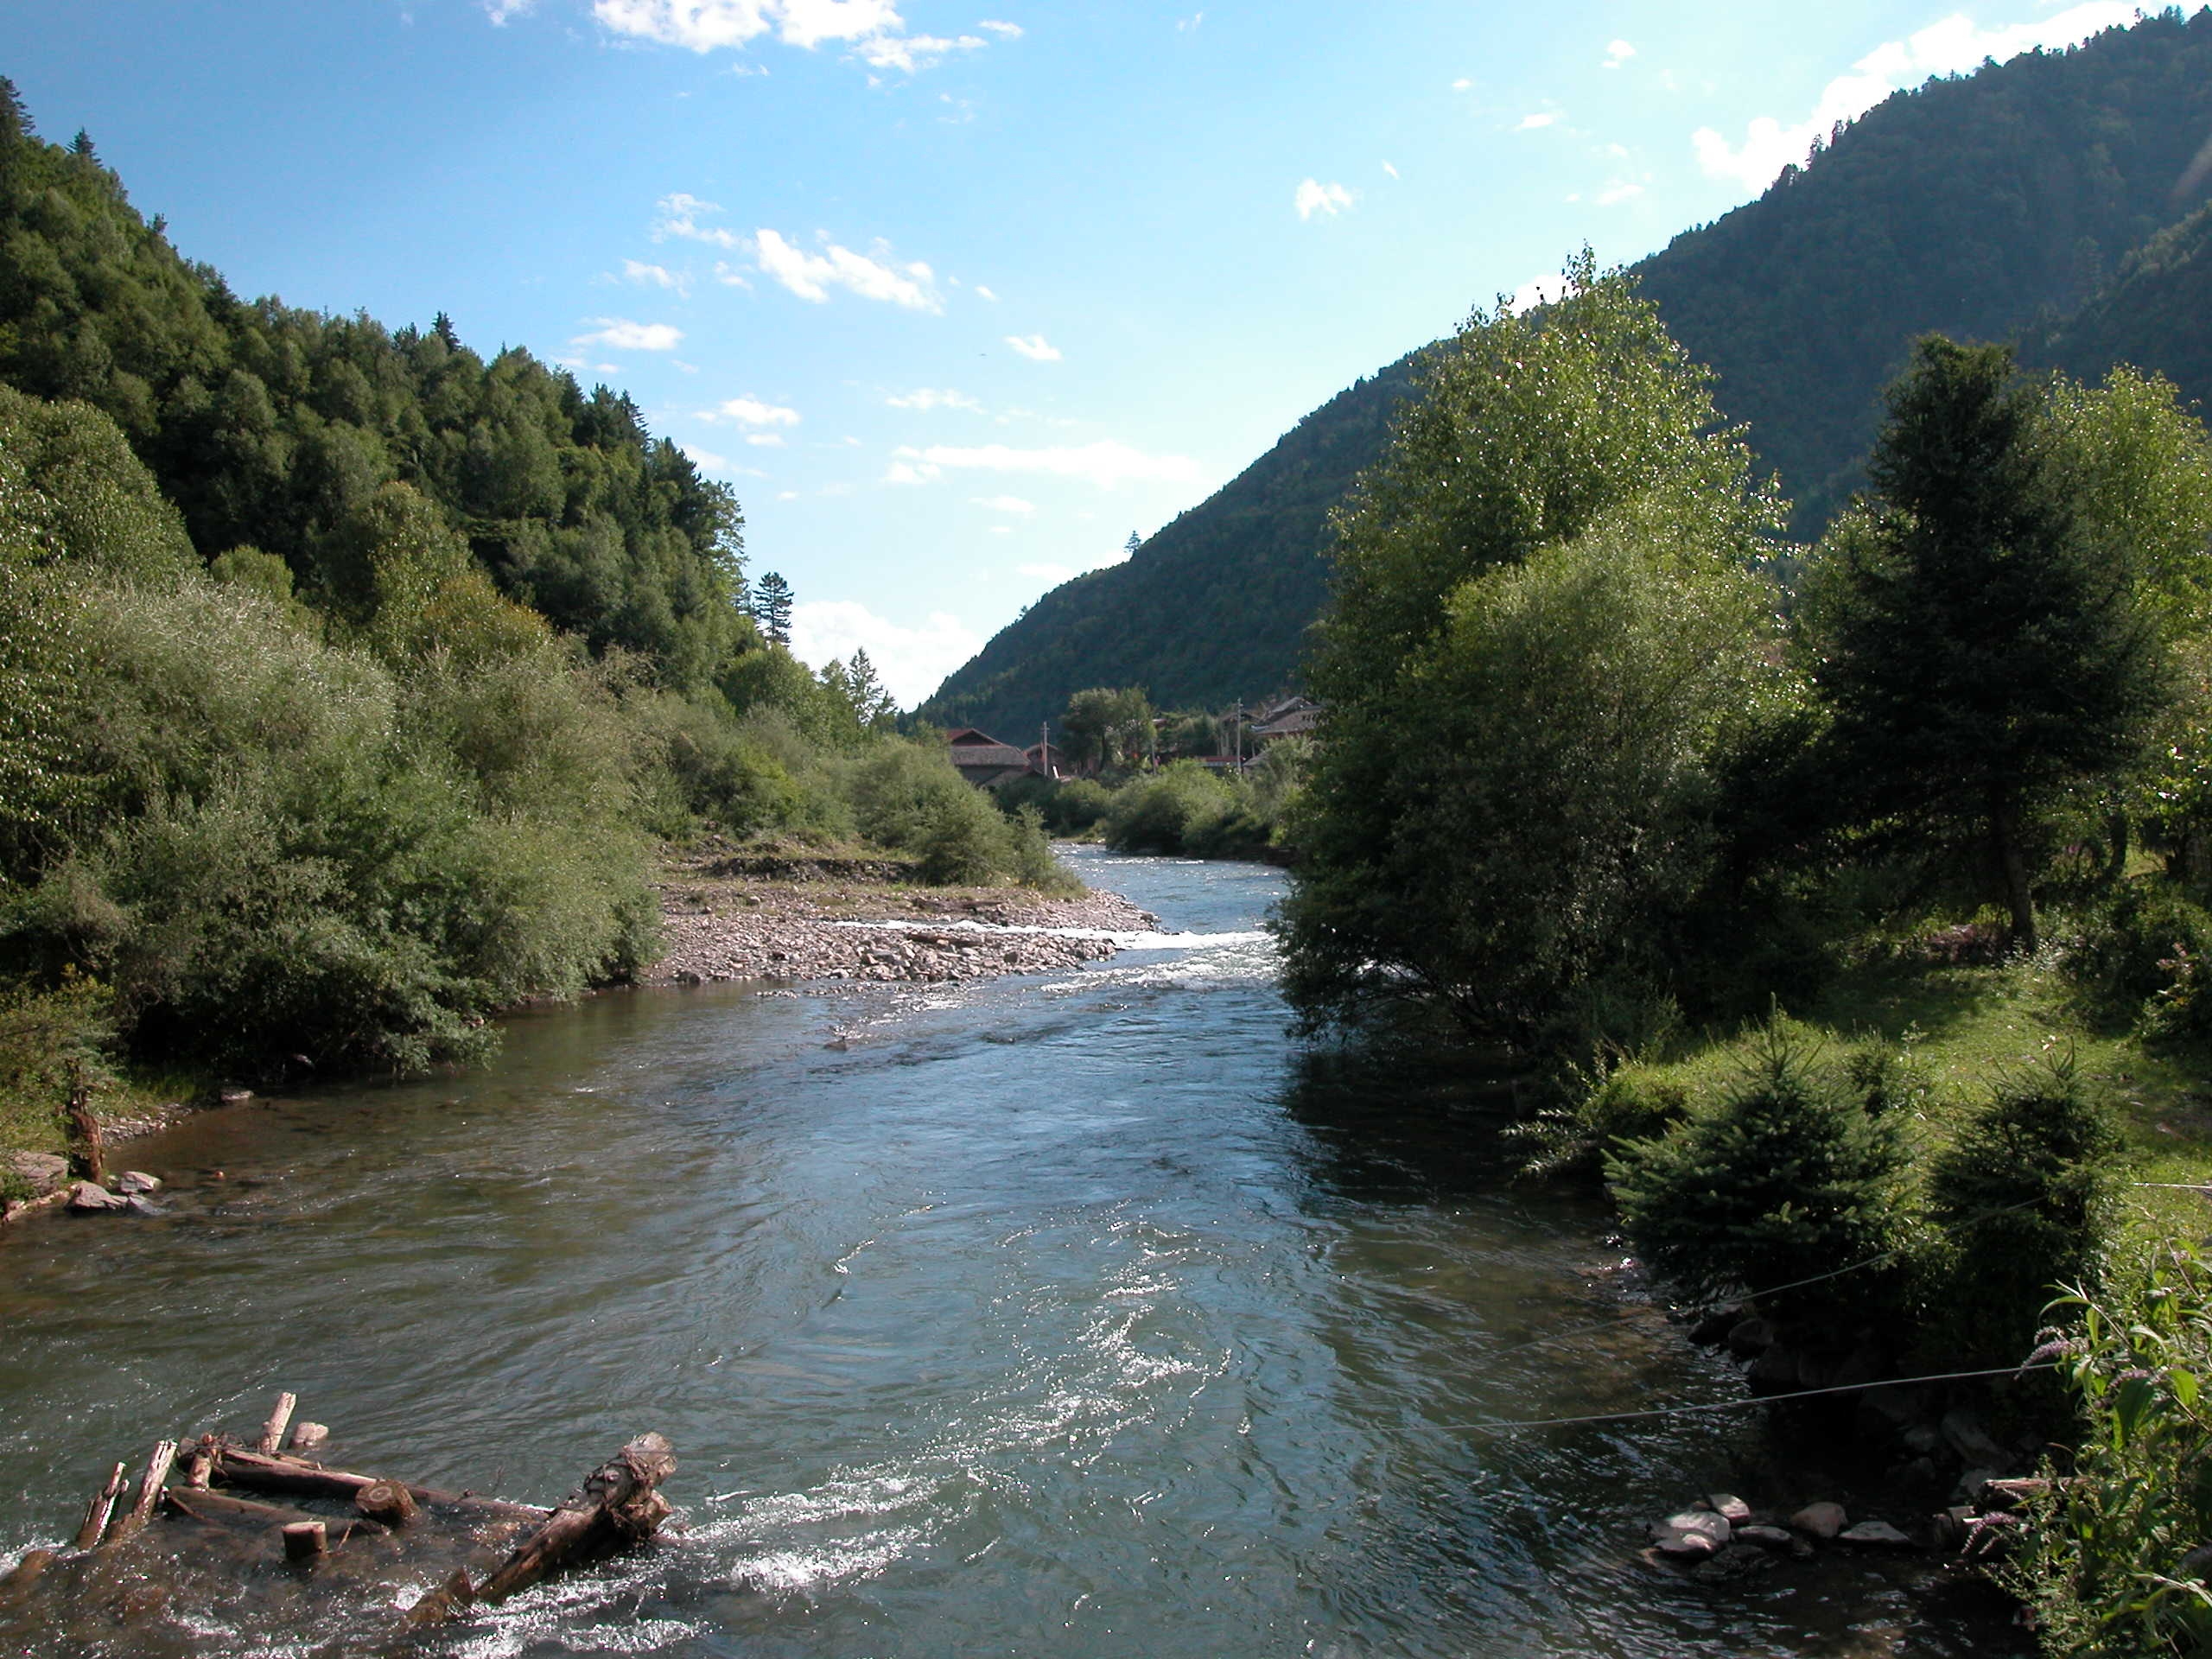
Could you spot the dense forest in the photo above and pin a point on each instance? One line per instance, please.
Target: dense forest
(350, 682)
(2024, 201)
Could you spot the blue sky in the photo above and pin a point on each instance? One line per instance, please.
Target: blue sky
(958, 293)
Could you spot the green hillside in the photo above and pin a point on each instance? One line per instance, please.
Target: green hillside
(2153, 314)
(275, 428)
(1987, 205)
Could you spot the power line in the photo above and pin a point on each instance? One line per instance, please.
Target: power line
(1751, 1400)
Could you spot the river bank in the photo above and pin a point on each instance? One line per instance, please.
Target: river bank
(732, 915)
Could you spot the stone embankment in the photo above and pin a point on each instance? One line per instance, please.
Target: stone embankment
(736, 918)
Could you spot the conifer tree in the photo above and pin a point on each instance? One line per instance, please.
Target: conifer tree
(771, 607)
(1982, 652)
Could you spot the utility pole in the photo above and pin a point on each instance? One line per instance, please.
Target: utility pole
(1044, 748)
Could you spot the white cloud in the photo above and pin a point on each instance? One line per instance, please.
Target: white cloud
(645, 276)
(1006, 504)
(1463, 85)
(1035, 347)
(621, 334)
(726, 272)
(1185, 25)
(1539, 121)
(1617, 53)
(679, 216)
(872, 29)
(985, 294)
(703, 25)
(1535, 291)
(1106, 463)
(751, 412)
(1391, 170)
(706, 458)
(872, 276)
(1618, 191)
(1956, 44)
(1051, 574)
(926, 398)
(1005, 31)
(786, 495)
(911, 52)
(907, 472)
(764, 440)
(912, 661)
(500, 10)
(1314, 197)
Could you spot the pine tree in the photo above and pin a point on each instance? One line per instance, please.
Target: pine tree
(771, 607)
(871, 701)
(1982, 654)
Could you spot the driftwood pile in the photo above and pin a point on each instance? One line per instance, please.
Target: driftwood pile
(331, 1516)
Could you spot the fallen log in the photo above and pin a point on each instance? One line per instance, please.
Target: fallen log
(217, 1507)
(454, 1597)
(99, 1512)
(20, 1579)
(301, 1478)
(619, 1506)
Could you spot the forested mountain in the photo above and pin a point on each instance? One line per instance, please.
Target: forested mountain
(274, 428)
(1211, 607)
(1990, 206)
(2154, 314)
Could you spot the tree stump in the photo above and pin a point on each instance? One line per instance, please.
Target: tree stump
(306, 1541)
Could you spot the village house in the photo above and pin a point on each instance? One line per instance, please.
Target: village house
(982, 760)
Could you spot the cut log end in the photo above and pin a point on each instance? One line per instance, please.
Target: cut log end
(387, 1501)
(306, 1541)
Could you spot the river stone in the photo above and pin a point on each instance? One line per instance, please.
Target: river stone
(1750, 1337)
(1765, 1537)
(41, 1171)
(1685, 1546)
(1702, 1522)
(1963, 1430)
(138, 1180)
(86, 1199)
(1820, 1520)
(1730, 1508)
(1875, 1532)
(1974, 1484)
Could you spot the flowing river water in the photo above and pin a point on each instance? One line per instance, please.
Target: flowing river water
(1070, 1315)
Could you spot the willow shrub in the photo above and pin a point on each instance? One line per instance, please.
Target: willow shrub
(284, 847)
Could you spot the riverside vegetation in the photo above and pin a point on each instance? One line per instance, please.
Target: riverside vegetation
(351, 683)
(1853, 897)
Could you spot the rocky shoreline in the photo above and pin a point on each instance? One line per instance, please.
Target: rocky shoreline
(725, 918)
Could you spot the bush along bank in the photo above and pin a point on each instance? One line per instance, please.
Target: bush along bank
(1968, 1172)
(1183, 808)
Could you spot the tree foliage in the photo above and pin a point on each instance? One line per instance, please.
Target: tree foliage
(1546, 632)
(1980, 648)
(276, 428)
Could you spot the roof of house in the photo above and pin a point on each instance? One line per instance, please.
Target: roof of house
(973, 750)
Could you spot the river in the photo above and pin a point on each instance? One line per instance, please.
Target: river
(1073, 1315)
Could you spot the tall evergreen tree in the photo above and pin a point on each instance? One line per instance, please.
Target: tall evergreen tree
(1980, 651)
(771, 606)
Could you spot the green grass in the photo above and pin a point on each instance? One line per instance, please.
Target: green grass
(1964, 1026)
